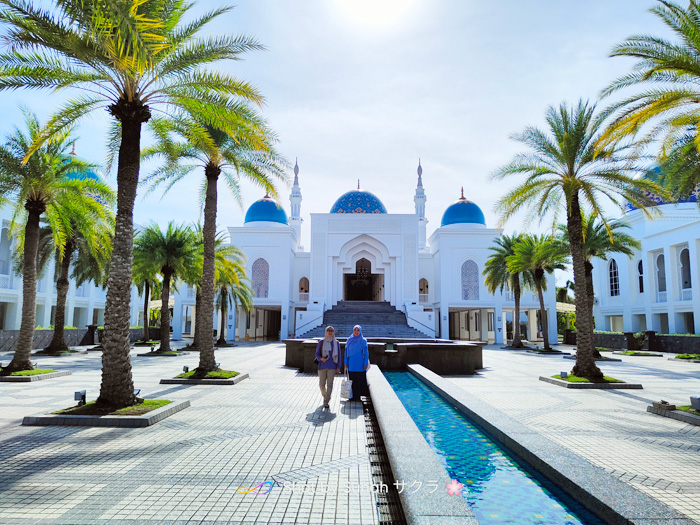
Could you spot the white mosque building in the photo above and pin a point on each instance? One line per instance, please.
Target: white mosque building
(361, 252)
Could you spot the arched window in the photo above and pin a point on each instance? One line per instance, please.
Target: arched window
(5, 243)
(303, 289)
(660, 273)
(640, 276)
(470, 281)
(260, 278)
(614, 278)
(685, 269)
(423, 291)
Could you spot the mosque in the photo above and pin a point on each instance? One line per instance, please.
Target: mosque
(361, 254)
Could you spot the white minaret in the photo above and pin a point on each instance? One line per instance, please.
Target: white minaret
(420, 199)
(295, 219)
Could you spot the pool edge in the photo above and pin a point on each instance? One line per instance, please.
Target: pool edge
(401, 435)
(607, 497)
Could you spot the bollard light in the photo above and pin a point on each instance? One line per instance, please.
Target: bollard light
(185, 369)
(80, 396)
(563, 375)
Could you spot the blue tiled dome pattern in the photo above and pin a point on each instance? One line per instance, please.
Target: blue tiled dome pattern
(463, 212)
(358, 201)
(266, 210)
(654, 174)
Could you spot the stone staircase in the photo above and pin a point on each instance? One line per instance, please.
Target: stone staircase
(377, 319)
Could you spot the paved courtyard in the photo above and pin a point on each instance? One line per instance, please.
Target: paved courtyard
(189, 468)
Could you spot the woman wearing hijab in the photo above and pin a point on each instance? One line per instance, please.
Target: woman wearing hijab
(328, 357)
(357, 362)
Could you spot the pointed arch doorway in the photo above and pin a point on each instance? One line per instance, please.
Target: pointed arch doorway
(363, 285)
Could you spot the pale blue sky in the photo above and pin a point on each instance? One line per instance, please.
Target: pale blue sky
(360, 91)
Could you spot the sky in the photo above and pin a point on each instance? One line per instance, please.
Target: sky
(361, 89)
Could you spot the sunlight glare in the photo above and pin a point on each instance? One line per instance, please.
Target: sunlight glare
(375, 12)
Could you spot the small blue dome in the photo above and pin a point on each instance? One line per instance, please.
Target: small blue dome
(654, 174)
(83, 175)
(358, 201)
(266, 210)
(463, 212)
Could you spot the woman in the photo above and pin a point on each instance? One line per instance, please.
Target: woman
(328, 357)
(357, 362)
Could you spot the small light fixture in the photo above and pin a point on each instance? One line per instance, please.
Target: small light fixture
(80, 396)
(563, 375)
(137, 391)
(185, 369)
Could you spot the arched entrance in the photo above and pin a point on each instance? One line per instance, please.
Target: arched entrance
(363, 285)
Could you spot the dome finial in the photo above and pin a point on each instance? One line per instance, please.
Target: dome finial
(462, 198)
(358, 184)
(420, 168)
(73, 152)
(267, 194)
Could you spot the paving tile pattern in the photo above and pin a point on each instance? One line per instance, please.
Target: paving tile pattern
(189, 468)
(609, 428)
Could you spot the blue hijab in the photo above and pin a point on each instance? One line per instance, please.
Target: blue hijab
(355, 344)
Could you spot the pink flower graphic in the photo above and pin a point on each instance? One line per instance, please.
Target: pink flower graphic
(453, 488)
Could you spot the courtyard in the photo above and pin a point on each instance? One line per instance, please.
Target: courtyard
(191, 467)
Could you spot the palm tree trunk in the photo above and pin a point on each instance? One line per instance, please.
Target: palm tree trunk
(146, 316)
(207, 360)
(590, 297)
(222, 335)
(197, 318)
(58, 341)
(585, 362)
(517, 342)
(543, 313)
(21, 359)
(165, 314)
(117, 388)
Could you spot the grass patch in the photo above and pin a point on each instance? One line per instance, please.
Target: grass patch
(215, 374)
(60, 352)
(603, 349)
(635, 352)
(35, 372)
(92, 409)
(576, 379)
(688, 356)
(689, 409)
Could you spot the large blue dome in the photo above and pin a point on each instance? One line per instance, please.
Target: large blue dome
(463, 212)
(358, 201)
(266, 210)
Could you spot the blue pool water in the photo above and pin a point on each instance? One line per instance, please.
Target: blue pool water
(498, 489)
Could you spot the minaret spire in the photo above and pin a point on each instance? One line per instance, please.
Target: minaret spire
(419, 199)
(295, 219)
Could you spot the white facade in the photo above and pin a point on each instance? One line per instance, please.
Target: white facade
(437, 283)
(658, 287)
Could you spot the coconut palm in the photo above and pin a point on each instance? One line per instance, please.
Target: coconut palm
(666, 80)
(499, 275)
(538, 255)
(128, 57)
(171, 253)
(566, 171)
(600, 240)
(232, 288)
(248, 153)
(45, 186)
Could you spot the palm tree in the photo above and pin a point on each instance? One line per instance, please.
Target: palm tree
(563, 292)
(566, 171)
(667, 78)
(145, 277)
(599, 240)
(232, 287)
(171, 254)
(128, 57)
(247, 153)
(539, 255)
(499, 275)
(679, 172)
(44, 186)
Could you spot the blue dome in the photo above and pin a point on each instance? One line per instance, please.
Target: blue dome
(83, 175)
(358, 201)
(654, 175)
(463, 212)
(266, 210)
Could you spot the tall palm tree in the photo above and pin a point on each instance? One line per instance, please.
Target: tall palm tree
(539, 255)
(667, 82)
(232, 288)
(566, 171)
(43, 185)
(248, 153)
(599, 240)
(128, 57)
(679, 172)
(145, 277)
(499, 275)
(171, 253)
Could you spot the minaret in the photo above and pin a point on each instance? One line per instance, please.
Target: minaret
(295, 219)
(420, 199)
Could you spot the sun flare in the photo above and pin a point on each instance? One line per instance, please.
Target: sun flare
(375, 12)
